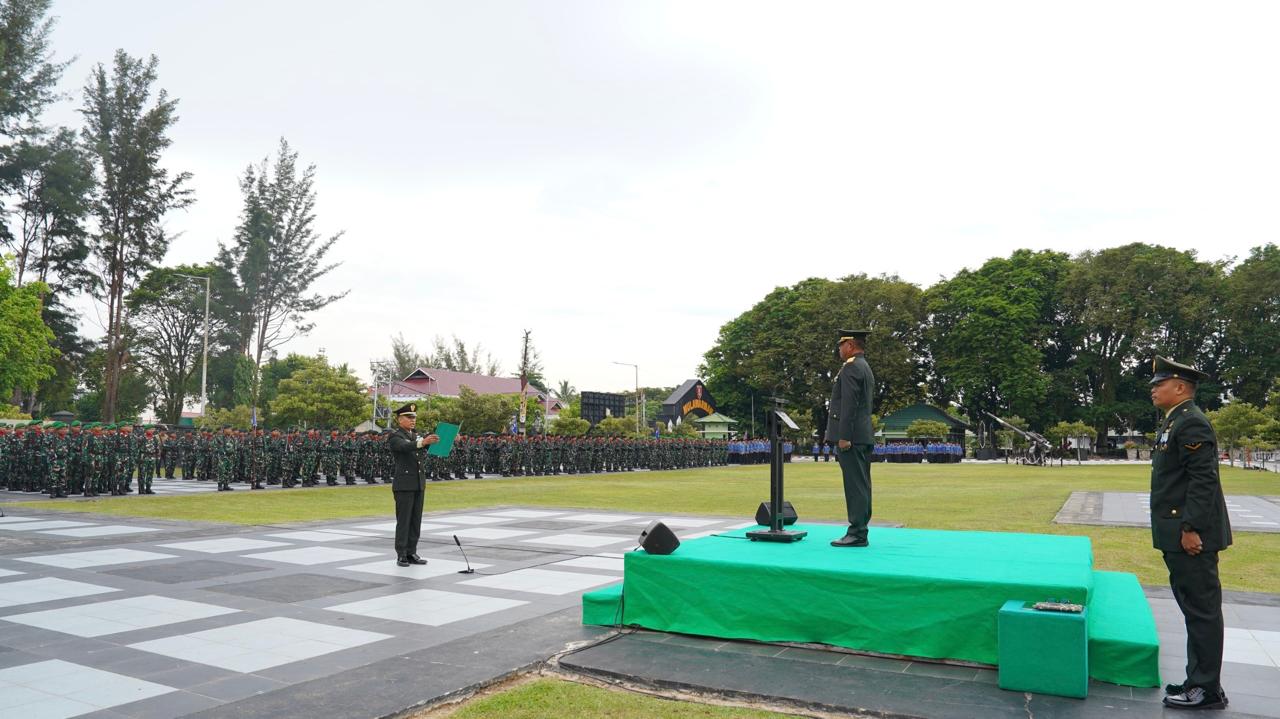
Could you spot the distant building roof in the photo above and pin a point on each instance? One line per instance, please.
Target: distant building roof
(716, 418)
(900, 420)
(430, 382)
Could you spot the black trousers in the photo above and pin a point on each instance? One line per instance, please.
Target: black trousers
(1198, 591)
(855, 466)
(408, 521)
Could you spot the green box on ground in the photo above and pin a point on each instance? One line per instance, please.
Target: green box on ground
(1124, 647)
(1043, 652)
(603, 607)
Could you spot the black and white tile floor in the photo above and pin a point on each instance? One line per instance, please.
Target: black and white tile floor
(139, 619)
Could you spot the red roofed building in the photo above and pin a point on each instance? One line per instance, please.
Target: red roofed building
(428, 382)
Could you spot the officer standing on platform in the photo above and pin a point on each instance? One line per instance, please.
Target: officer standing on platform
(407, 483)
(1189, 524)
(849, 427)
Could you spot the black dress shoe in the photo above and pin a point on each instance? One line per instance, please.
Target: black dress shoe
(1196, 698)
(415, 559)
(849, 540)
(402, 561)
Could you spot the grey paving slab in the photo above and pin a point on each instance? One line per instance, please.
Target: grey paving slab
(1248, 513)
(192, 596)
(856, 684)
(297, 587)
(184, 572)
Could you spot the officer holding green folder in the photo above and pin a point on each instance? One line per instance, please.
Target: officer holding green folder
(408, 485)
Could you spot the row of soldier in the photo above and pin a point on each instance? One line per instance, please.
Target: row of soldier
(91, 459)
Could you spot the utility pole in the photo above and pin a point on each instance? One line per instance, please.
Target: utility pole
(204, 369)
(639, 399)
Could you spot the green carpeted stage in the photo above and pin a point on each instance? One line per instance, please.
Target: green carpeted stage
(914, 592)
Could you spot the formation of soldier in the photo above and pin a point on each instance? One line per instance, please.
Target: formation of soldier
(95, 459)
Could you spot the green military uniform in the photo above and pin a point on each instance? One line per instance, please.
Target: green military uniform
(224, 449)
(849, 420)
(148, 460)
(1186, 497)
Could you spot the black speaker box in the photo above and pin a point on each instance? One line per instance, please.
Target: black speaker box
(657, 538)
(789, 515)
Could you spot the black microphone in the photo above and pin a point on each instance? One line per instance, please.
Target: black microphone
(468, 570)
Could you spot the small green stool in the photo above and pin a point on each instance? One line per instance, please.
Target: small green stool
(1043, 652)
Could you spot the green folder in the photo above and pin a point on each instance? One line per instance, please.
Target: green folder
(447, 433)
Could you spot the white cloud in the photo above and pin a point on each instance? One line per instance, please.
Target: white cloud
(623, 178)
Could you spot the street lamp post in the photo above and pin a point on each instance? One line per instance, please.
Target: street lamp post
(204, 368)
(639, 401)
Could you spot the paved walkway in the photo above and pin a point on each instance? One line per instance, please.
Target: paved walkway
(115, 618)
(1132, 509)
(150, 619)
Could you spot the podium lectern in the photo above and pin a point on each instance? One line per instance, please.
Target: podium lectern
(773, 423)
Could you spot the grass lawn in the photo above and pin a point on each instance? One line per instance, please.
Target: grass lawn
(557, 698)
(992, 497)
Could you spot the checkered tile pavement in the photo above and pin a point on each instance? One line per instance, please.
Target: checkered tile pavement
(165, 626)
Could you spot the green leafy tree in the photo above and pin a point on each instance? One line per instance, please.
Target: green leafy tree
(434, 410)
(166, 319)
(1235, 422)
(230, 379)
(405, 358)
(277, 256)
(238, 417)
(273, 372)
(320, 395)
(1069, 430)
(614, 427)
(1252, 334)
(11, 411)
(126, 135)
(134, 390)
(1126, 304)
(991, 332)
(456, 356)
(785, 346)
(28, 74)
(569, 426)
(26, 343)
(566, 392)
(928, 429)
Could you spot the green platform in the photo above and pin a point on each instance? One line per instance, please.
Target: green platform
(913, 592)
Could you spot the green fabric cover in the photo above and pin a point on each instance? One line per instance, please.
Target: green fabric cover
(1043, 652)
(915, 592)
(600, 607)
(1123, 645)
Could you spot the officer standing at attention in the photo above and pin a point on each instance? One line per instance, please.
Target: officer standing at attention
(1189, 524)
(849, 427)
(408, 485)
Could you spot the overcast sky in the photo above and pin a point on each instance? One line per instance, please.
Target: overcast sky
(623, 178)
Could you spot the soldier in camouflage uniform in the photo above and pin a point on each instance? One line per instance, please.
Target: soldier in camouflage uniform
(169, 457)
(224, 449)
(149, 459)
(332, 458)
(257, 461)
(59, 453)
(187, 451)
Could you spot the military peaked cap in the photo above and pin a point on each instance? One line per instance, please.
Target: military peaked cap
(1163, 368)
(860, 335)
(410, 409)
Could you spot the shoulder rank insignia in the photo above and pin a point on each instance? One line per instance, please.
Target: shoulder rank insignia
(1193, 447)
